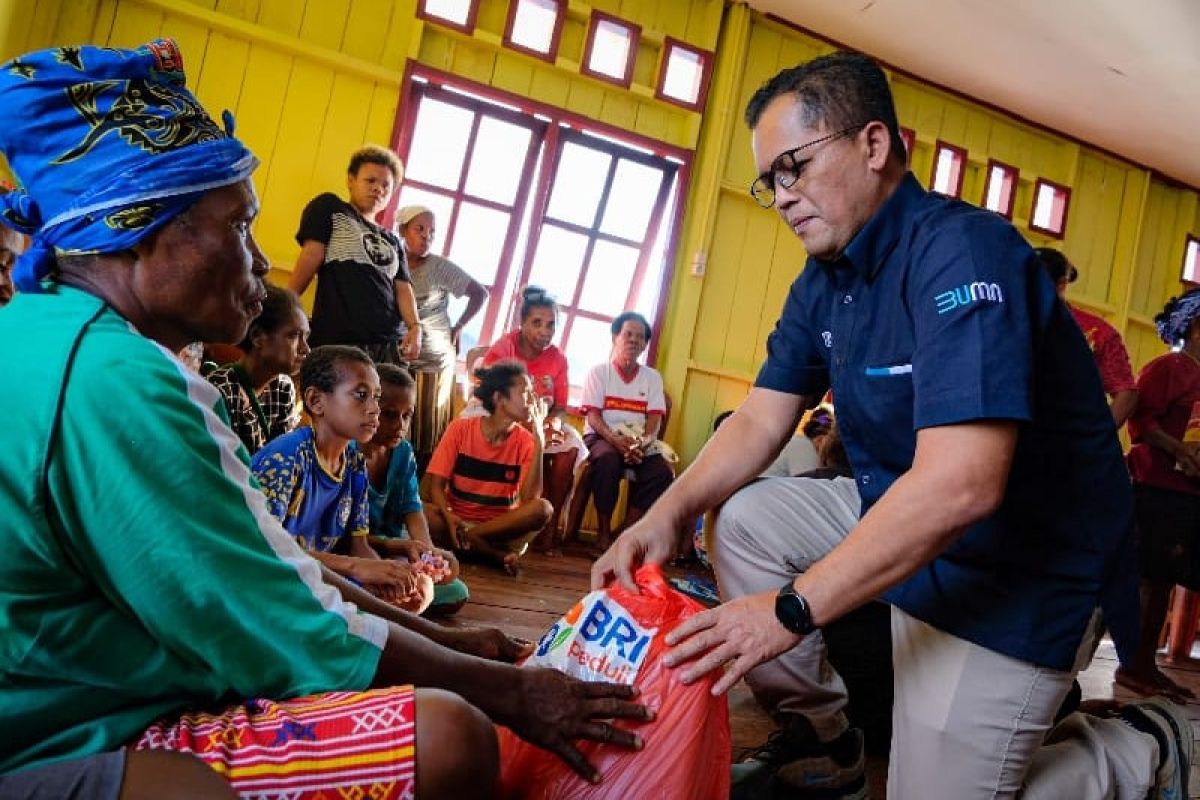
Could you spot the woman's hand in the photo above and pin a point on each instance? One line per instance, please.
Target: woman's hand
(553, 431)
(410, 346)
(1188, 458)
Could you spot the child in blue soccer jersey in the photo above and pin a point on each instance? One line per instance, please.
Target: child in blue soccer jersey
(398, 526)
(315, 478)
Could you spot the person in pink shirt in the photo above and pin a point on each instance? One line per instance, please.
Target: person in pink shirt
(1103, 339)
(532, 345)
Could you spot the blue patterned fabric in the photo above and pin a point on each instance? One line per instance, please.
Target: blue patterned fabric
(1173, 324)
(108, 146)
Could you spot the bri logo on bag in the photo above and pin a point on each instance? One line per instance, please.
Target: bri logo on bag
(598, 639)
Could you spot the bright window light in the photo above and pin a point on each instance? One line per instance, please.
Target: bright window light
(1191, 260)
(1049, 208)
(684, 73)
(948, 169)
(455, 11)
(1000, 190)
(534, 23)
(496, 169)
(439, 144)
(610, 51)
(577, 197)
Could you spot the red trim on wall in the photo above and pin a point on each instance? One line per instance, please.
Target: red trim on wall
(1064, 198)
(635, 33)
(468, 28)
(960, 159)
(1176, 182)
(559, 18)
(1010, 171)
(706, 61)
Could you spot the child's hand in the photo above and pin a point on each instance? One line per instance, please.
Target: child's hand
(408, 549)
(385, 575)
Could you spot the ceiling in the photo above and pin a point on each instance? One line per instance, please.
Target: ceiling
(1121, 75)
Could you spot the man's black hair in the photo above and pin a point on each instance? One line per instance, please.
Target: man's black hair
(322, 368)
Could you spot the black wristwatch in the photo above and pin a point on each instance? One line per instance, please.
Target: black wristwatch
(791, 609)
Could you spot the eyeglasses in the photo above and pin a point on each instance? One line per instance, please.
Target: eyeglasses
(786, 169)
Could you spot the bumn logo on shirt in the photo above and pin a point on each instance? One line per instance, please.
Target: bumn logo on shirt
(966, 294)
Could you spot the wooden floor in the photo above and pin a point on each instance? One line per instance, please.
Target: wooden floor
(547, 587)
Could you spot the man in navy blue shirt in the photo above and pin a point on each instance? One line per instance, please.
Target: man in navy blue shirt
(997, 512)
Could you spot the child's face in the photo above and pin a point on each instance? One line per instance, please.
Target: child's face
(395, 414)
(351, 410)
(284, 349)
(517, 402)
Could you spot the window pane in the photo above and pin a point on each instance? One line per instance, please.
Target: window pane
(945, 174)
(685, 71)
(578, 183)
(631, 200)
(470, 334)
(456, 11)
(497, 160)
(1191, 261)
(557, 261)
(995, 194)
(590, 344)
(610, 49)
(478, 237)
(439, 144)
(609, 276)
(439, 204)
(533, 26)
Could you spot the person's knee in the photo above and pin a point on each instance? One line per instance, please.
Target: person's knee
(541, 511)
(457, 754)
(168, 775)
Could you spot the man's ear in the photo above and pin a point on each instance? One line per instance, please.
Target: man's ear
(879, 144)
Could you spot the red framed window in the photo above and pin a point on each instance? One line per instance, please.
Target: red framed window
(1050, 204)
(1000, 188)
(458, 14)
(949, 169)
(523, 195)
(535, 27)
(909, 137)
(1190, 273)
(683, 74)
(468, 161)
(610, 49)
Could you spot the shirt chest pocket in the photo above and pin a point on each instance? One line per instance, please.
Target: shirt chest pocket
(887, 395)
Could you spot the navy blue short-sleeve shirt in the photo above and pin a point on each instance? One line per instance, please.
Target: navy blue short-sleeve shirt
(939, 313)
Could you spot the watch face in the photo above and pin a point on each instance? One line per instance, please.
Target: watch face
(792, 611)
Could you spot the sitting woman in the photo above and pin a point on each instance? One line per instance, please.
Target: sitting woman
(258, 390)
(435, 280)
(625, 404)
(315, 478)
(398, 526)
(532, 345)
(486, 473)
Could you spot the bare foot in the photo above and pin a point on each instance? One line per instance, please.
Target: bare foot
(509, 562)
(1153, 683)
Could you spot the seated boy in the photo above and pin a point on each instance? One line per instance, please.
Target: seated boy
(486, 473)
(315, 479)
(398, 526)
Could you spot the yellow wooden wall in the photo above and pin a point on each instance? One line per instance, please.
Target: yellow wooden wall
(311, 80)
(1125, 227)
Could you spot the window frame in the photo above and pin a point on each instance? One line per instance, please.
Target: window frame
(1191, 240)
(1009, 170)
(706, 68)
(555, 37)
(1033, 207)
(467, 27)
(635, 35)
(961, 154)
(909, 137)
(417, 75)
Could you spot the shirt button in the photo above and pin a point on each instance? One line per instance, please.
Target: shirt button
(865, 479)
(847, 300)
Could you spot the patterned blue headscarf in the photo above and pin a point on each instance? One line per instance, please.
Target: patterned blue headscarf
(1177, 317)
(108, 146)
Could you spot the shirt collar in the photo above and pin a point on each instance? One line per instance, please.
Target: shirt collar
(872, 245)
